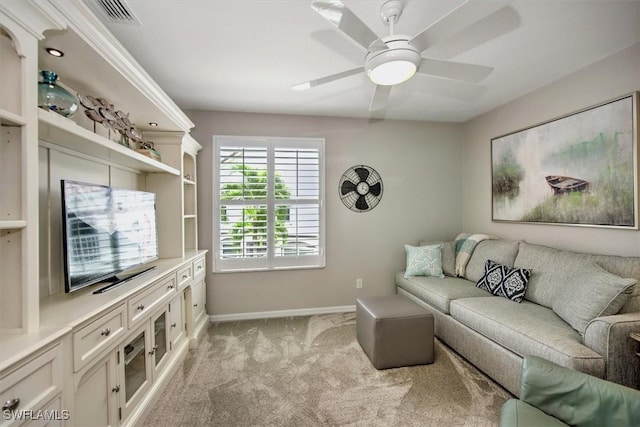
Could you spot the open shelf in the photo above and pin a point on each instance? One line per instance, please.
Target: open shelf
(12, 225)
(7, 118)
(59, 130)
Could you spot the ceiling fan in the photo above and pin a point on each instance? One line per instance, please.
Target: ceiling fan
(396, 58)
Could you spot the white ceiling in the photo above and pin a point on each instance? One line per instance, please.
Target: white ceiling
(245, 55)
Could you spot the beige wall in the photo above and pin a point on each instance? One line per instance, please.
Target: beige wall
(420, 168)
(614, 76)
(437, 182)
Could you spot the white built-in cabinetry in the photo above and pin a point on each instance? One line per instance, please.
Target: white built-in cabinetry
(84, 358)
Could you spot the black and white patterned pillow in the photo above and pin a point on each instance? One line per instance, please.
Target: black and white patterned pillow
(504, 281)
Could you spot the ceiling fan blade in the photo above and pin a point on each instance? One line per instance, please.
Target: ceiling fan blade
(454, 70)
(379, 98)
(327, 79)
(344, 19)
(455, 21)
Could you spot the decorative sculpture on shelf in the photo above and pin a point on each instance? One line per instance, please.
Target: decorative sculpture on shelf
(147, 148)
(102, 111)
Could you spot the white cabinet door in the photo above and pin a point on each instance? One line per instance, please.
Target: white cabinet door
(96, 394)
(176, 320)
(198, 300)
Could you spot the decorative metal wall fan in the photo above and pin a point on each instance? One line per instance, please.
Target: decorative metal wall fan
(360, 188)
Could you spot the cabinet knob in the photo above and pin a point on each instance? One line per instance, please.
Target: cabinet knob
(140, 307)
(153, 350)
(185, 276)
(173, 325)
(106, 332)
(195, 305)
(116, 389)
(11, 405)
(170, 287)
(199, 267)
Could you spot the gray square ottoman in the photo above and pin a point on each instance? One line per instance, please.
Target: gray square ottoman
(394, 331)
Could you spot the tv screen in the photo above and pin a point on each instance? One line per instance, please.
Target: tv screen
(106, 231)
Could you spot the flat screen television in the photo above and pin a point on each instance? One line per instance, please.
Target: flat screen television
(107, 232)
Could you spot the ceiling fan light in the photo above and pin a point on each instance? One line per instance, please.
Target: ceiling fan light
(394, 65)
(392, 73)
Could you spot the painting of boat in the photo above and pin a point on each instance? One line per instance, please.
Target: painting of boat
(565, 184)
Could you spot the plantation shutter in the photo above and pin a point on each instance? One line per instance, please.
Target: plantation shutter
(269, 205)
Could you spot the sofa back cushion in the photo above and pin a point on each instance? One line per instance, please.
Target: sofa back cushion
(594, 292)
(550, 268)
(624, 267)
(448, 255)
(553, 268)
(500, 251)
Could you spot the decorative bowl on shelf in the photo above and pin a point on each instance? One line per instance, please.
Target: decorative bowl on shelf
(54, 97)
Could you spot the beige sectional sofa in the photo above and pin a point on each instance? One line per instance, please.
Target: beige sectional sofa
(578, 311)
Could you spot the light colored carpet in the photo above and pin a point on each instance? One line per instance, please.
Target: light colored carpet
(311, 371)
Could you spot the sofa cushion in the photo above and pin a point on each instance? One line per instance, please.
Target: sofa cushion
(528, 329)
(503, 281)
(501, 251)
(439, 293)
(623, 267)
(424, 261)
(594, 292)
(448, 255)
(551, 268)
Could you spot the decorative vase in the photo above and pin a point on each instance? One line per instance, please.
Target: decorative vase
(55, 98)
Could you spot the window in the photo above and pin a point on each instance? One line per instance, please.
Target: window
(269, 208)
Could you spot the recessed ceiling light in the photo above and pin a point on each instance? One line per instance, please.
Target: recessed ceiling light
(54, 52)
(153, 124)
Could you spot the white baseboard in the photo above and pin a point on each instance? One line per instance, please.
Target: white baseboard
(281, 313)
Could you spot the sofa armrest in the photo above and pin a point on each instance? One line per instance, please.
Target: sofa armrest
(609, 337)
(516, 413)
(577, 398)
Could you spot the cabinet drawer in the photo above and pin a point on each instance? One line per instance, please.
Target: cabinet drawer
(145, 302)
(97, 336)
(32, 385)
(185, 274)
(198, 267)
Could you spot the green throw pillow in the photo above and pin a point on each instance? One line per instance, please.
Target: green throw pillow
(424, 261)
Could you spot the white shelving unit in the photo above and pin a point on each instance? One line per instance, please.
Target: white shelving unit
(40, 325)
(19, 311)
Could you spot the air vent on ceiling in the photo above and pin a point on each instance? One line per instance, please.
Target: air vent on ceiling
(115, 11)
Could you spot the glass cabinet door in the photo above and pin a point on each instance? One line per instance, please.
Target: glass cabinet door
(160, 338)
(135, 369)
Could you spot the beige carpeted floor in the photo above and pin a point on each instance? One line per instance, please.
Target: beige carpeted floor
(311, 371)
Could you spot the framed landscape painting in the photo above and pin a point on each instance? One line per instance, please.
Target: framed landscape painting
(580, 169)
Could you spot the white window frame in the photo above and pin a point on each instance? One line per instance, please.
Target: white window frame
(270, 262)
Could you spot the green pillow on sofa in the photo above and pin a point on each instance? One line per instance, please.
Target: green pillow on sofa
(424, 261)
